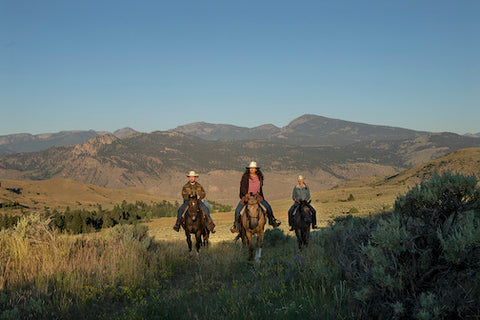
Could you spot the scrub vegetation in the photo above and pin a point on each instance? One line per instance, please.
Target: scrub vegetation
(420, 260)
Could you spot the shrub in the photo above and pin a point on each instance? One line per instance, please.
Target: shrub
(422, 260)
(353, 210)
(275, 237)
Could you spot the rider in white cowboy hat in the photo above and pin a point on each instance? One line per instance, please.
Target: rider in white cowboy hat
(252, 183)
(301, 192)
(192, 187)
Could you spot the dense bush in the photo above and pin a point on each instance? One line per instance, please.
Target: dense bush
(422, 260)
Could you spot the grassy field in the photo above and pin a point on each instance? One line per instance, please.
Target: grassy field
(135, 272)
(123, 273)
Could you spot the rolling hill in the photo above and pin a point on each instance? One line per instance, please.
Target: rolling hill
(60, 193)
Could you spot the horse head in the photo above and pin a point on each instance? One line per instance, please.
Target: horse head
(304, 206)
(252, 199)
(193, 207)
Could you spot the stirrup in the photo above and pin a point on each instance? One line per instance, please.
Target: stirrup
(234, 229)
(211, 227)
(176, 227)
(275, 223)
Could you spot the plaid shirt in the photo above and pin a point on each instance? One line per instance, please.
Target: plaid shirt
(195, 189)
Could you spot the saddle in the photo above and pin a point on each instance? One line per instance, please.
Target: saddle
(209, 223)
(251, 201)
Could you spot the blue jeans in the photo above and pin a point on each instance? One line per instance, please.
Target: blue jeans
(203, 204)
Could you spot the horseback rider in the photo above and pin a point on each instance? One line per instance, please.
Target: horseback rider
(193, 188)
(301, 192)
(251, 183)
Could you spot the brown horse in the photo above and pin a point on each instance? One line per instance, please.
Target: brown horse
(301, 223)
(195, 222)
(253, 218)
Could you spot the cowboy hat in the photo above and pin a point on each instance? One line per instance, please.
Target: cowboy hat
(253, 164)
(300, 177)
(192, 174)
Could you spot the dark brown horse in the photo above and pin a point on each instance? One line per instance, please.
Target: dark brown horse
(301, 223)
(253, 218)
(195, 222)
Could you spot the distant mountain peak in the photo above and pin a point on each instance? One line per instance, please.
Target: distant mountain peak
(124, 132)
(91, 147)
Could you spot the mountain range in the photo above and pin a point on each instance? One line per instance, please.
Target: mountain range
(308, 129)
(158, 161)
(26, 142)
(371, 193)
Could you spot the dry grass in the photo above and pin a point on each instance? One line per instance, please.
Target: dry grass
(60, 193)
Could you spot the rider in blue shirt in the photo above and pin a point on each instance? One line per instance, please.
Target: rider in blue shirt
(301, 192)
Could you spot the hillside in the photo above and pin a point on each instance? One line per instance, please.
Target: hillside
(157, 162)
(464, 161)
(60, 193)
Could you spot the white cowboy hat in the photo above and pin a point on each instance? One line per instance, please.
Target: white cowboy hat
(253, 164)
(300, 177)
(192, 174)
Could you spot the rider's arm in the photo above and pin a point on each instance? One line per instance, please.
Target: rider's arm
(185, 192)
(200, 192)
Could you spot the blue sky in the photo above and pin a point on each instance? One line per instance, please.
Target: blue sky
(154, 65)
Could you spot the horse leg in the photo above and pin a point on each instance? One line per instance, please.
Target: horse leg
(250, 246)
(307, 236)
(298, 234)
(198, 238)
(189, 241)
(258, 255)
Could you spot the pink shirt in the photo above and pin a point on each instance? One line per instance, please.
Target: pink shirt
(254, 185)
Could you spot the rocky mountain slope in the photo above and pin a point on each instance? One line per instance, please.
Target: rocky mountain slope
(25, 142)
(158, 161)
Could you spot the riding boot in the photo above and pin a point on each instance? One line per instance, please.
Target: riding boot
(210, 224)
(314, 221)
(236, 226)
(271, 220)
(176, 227)
(290, 221)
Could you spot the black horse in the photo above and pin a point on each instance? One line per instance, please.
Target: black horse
(195, 222)
(301, 223)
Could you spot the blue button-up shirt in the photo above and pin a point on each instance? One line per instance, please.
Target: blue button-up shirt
(301, 193)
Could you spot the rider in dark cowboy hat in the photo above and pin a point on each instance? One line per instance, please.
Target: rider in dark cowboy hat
(194, 188)
(252, 183)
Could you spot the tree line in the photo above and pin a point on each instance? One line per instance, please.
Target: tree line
(84, 221)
